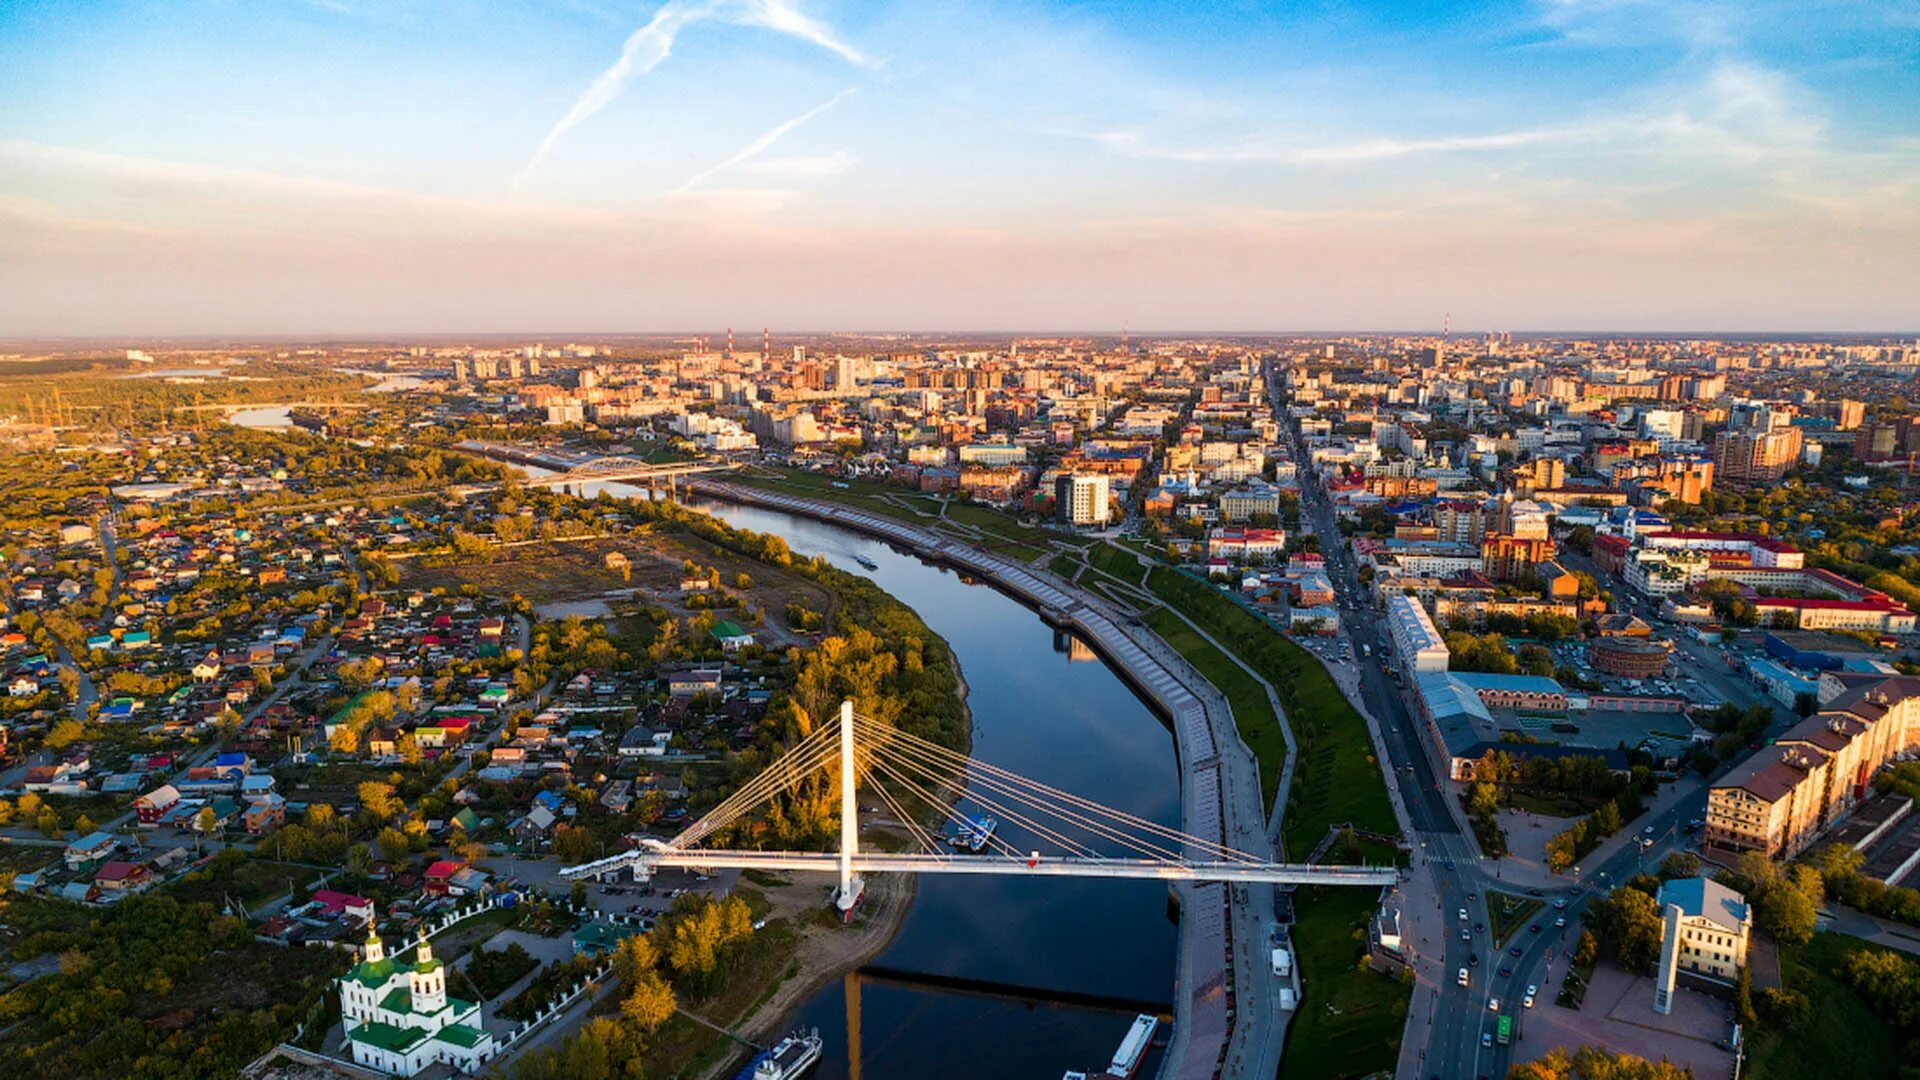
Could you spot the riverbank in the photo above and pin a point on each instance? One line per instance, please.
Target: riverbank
(826, 954)
(1221, 930)
(828, 951)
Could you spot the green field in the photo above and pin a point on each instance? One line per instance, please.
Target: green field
(1252, 711)
(1336, 778)
(1120, 564)
(1350, 1021)
(1842, 1036)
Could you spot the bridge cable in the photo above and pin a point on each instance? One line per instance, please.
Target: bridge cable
(1039, 804)
(914, 829)
(1045, 832)
(783, 772)
(790, 767)
(1166, 832)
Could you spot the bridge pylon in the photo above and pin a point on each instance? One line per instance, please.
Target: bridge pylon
(847, 896)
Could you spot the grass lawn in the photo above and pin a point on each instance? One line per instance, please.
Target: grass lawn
(1350, 1020)
(1509, 913)
(1842, 1036)
(1336, 777)
(1252, 712)
(1118, 563)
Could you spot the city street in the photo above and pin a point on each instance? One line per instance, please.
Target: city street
(1448, 1022)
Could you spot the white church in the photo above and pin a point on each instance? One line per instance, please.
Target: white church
(399, 1019)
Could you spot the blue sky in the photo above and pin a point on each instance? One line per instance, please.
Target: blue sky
(588, 165)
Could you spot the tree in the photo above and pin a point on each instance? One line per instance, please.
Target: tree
(1592, 1063)
(633, 957)
(321, 816)
(83, 825)
(344, 739)
(204, 821)
(1788, 1010)
(1787, 913)
(394, 845)
(359, 860)
(1629, 921)
(650, 1003)
(574, 844)
(409, 749)
(1680, 864)
(64, 734)
(377, 798)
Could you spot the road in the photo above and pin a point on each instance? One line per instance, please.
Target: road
(1460, 1020)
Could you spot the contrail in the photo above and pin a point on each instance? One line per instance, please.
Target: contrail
(644, 50)
(757, 146)
(646, 47)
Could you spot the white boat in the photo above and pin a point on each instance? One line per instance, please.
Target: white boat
(1133, 1048)
(789, 1058)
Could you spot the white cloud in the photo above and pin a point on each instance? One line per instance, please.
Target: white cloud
(648, 46)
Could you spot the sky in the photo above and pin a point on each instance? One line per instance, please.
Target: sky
(358, 167)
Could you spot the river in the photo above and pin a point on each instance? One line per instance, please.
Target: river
(1074, 725)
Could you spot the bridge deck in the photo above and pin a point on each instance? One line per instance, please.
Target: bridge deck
(829, 862)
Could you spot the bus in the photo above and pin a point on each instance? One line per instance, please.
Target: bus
(1504, 1033)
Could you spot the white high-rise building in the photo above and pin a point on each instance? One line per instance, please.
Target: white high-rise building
(1082, 499)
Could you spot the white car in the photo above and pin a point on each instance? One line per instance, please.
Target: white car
(1463, 914)
(1493, 1004)
(1527, 1002)
(1561, 921)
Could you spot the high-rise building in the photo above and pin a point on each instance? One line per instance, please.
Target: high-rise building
(1082, 499)
(844, 376)
(1755, 456)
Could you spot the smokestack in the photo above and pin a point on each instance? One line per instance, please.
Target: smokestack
(729, 341)
(766, 343)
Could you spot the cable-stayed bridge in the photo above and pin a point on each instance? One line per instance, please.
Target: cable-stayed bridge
(1061, 834)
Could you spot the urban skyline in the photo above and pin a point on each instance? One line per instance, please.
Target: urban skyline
(344, 168)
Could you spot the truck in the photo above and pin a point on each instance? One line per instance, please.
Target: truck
(1503, 1034)
(1366, 650)
(1282, 963)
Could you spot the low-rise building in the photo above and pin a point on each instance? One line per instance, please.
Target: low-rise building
(1704, 932)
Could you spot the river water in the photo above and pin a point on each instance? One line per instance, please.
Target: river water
(1073, 725)
(1070, 724)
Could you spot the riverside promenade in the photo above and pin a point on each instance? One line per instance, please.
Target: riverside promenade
(1224, 1012)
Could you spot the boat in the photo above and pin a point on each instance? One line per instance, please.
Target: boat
(973, 834)
(866, 562)
(1133, 1048)
(790, 1057)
